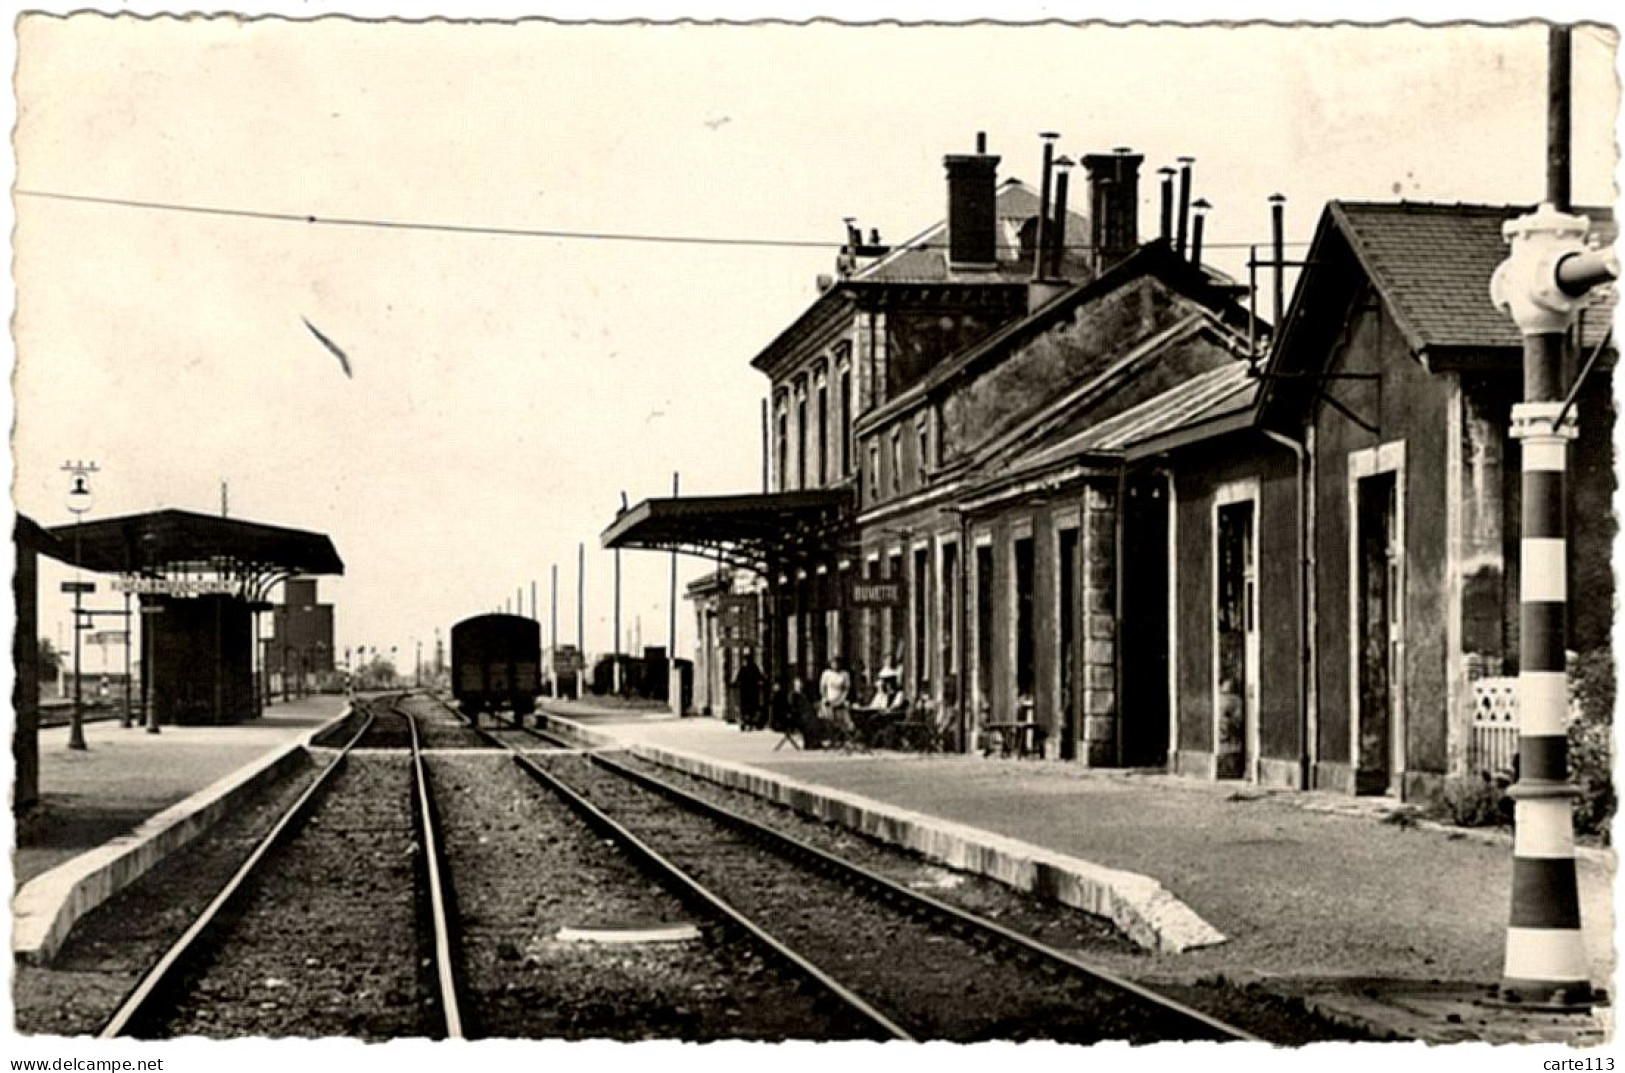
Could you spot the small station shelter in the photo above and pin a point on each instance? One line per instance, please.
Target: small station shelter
(196, 582)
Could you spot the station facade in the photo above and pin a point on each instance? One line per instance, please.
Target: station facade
(1079, 489)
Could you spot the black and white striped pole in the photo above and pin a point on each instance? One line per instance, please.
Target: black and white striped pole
(1540, 286)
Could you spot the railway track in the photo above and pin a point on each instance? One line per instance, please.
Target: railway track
(306, 937)
(920, 967)
(302, 941)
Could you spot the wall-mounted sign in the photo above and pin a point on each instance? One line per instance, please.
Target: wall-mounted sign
(873, 592)
(79, 586)
(736, 622)
(174, 586)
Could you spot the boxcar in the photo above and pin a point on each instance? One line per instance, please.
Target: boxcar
(495, 660)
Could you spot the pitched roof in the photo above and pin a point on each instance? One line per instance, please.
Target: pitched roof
(1205, 285)
(1432, 262)
(924, 258)
(1204, 398)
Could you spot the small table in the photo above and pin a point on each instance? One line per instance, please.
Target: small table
(1023, 739)
(870, 725)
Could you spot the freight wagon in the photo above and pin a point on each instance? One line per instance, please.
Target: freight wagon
(495, 662)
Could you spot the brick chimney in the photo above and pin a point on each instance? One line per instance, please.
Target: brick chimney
(973, 214)
(1114, 205)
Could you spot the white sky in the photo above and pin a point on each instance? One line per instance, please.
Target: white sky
(508, 389)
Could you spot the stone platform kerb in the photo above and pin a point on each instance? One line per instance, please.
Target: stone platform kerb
(46, 908)
(1146, 911)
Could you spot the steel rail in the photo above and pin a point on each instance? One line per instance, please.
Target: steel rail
(136, 1003)
(789, 845)
(445, 974)
(690, 886)
(652, 859)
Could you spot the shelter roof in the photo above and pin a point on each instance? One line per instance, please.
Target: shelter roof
(30, 534)
(162, 538)
(752, 531)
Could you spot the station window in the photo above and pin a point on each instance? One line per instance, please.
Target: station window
(896, 461)
(783, 450)
(823, 432)
(845, 448)
(801, 436)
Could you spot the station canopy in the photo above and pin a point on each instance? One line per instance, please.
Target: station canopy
(760, 532)
(166, 542)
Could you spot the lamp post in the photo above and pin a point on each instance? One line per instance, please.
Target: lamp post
(79, 504)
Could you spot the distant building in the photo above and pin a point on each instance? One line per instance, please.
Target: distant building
(300, 650)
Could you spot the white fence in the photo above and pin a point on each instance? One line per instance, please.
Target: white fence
(1495, 725)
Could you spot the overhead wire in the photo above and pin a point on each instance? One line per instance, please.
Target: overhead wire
(313, 219)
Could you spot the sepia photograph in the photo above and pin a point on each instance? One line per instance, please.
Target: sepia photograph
(1063, 527)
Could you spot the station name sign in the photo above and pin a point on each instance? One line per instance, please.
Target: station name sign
(872, 592)
(174, 586)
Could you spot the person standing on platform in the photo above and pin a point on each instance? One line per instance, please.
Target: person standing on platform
(835, 694)
(748, 682)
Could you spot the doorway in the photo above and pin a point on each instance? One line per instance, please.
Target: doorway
(1235, 640)
(1144, 651)
(1379, 636)
(1067, 615)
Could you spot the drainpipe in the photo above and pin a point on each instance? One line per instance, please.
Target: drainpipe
(1305, 568)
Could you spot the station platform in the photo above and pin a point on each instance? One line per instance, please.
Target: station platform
(1353, 905)
(126, 776)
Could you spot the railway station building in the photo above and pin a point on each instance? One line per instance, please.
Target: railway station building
(1093, 508)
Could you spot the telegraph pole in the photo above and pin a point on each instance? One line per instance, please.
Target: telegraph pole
(674, 682)
(1540, 285)
(615, 665)
(553, 634)
(581, 615)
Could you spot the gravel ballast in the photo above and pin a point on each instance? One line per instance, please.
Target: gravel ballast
(525, 868)
(327, 939)
(110, 948)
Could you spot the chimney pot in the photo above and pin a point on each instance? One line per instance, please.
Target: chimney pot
(981, 142)
(1183, 227)
(1167, 175)
(1045, 240)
